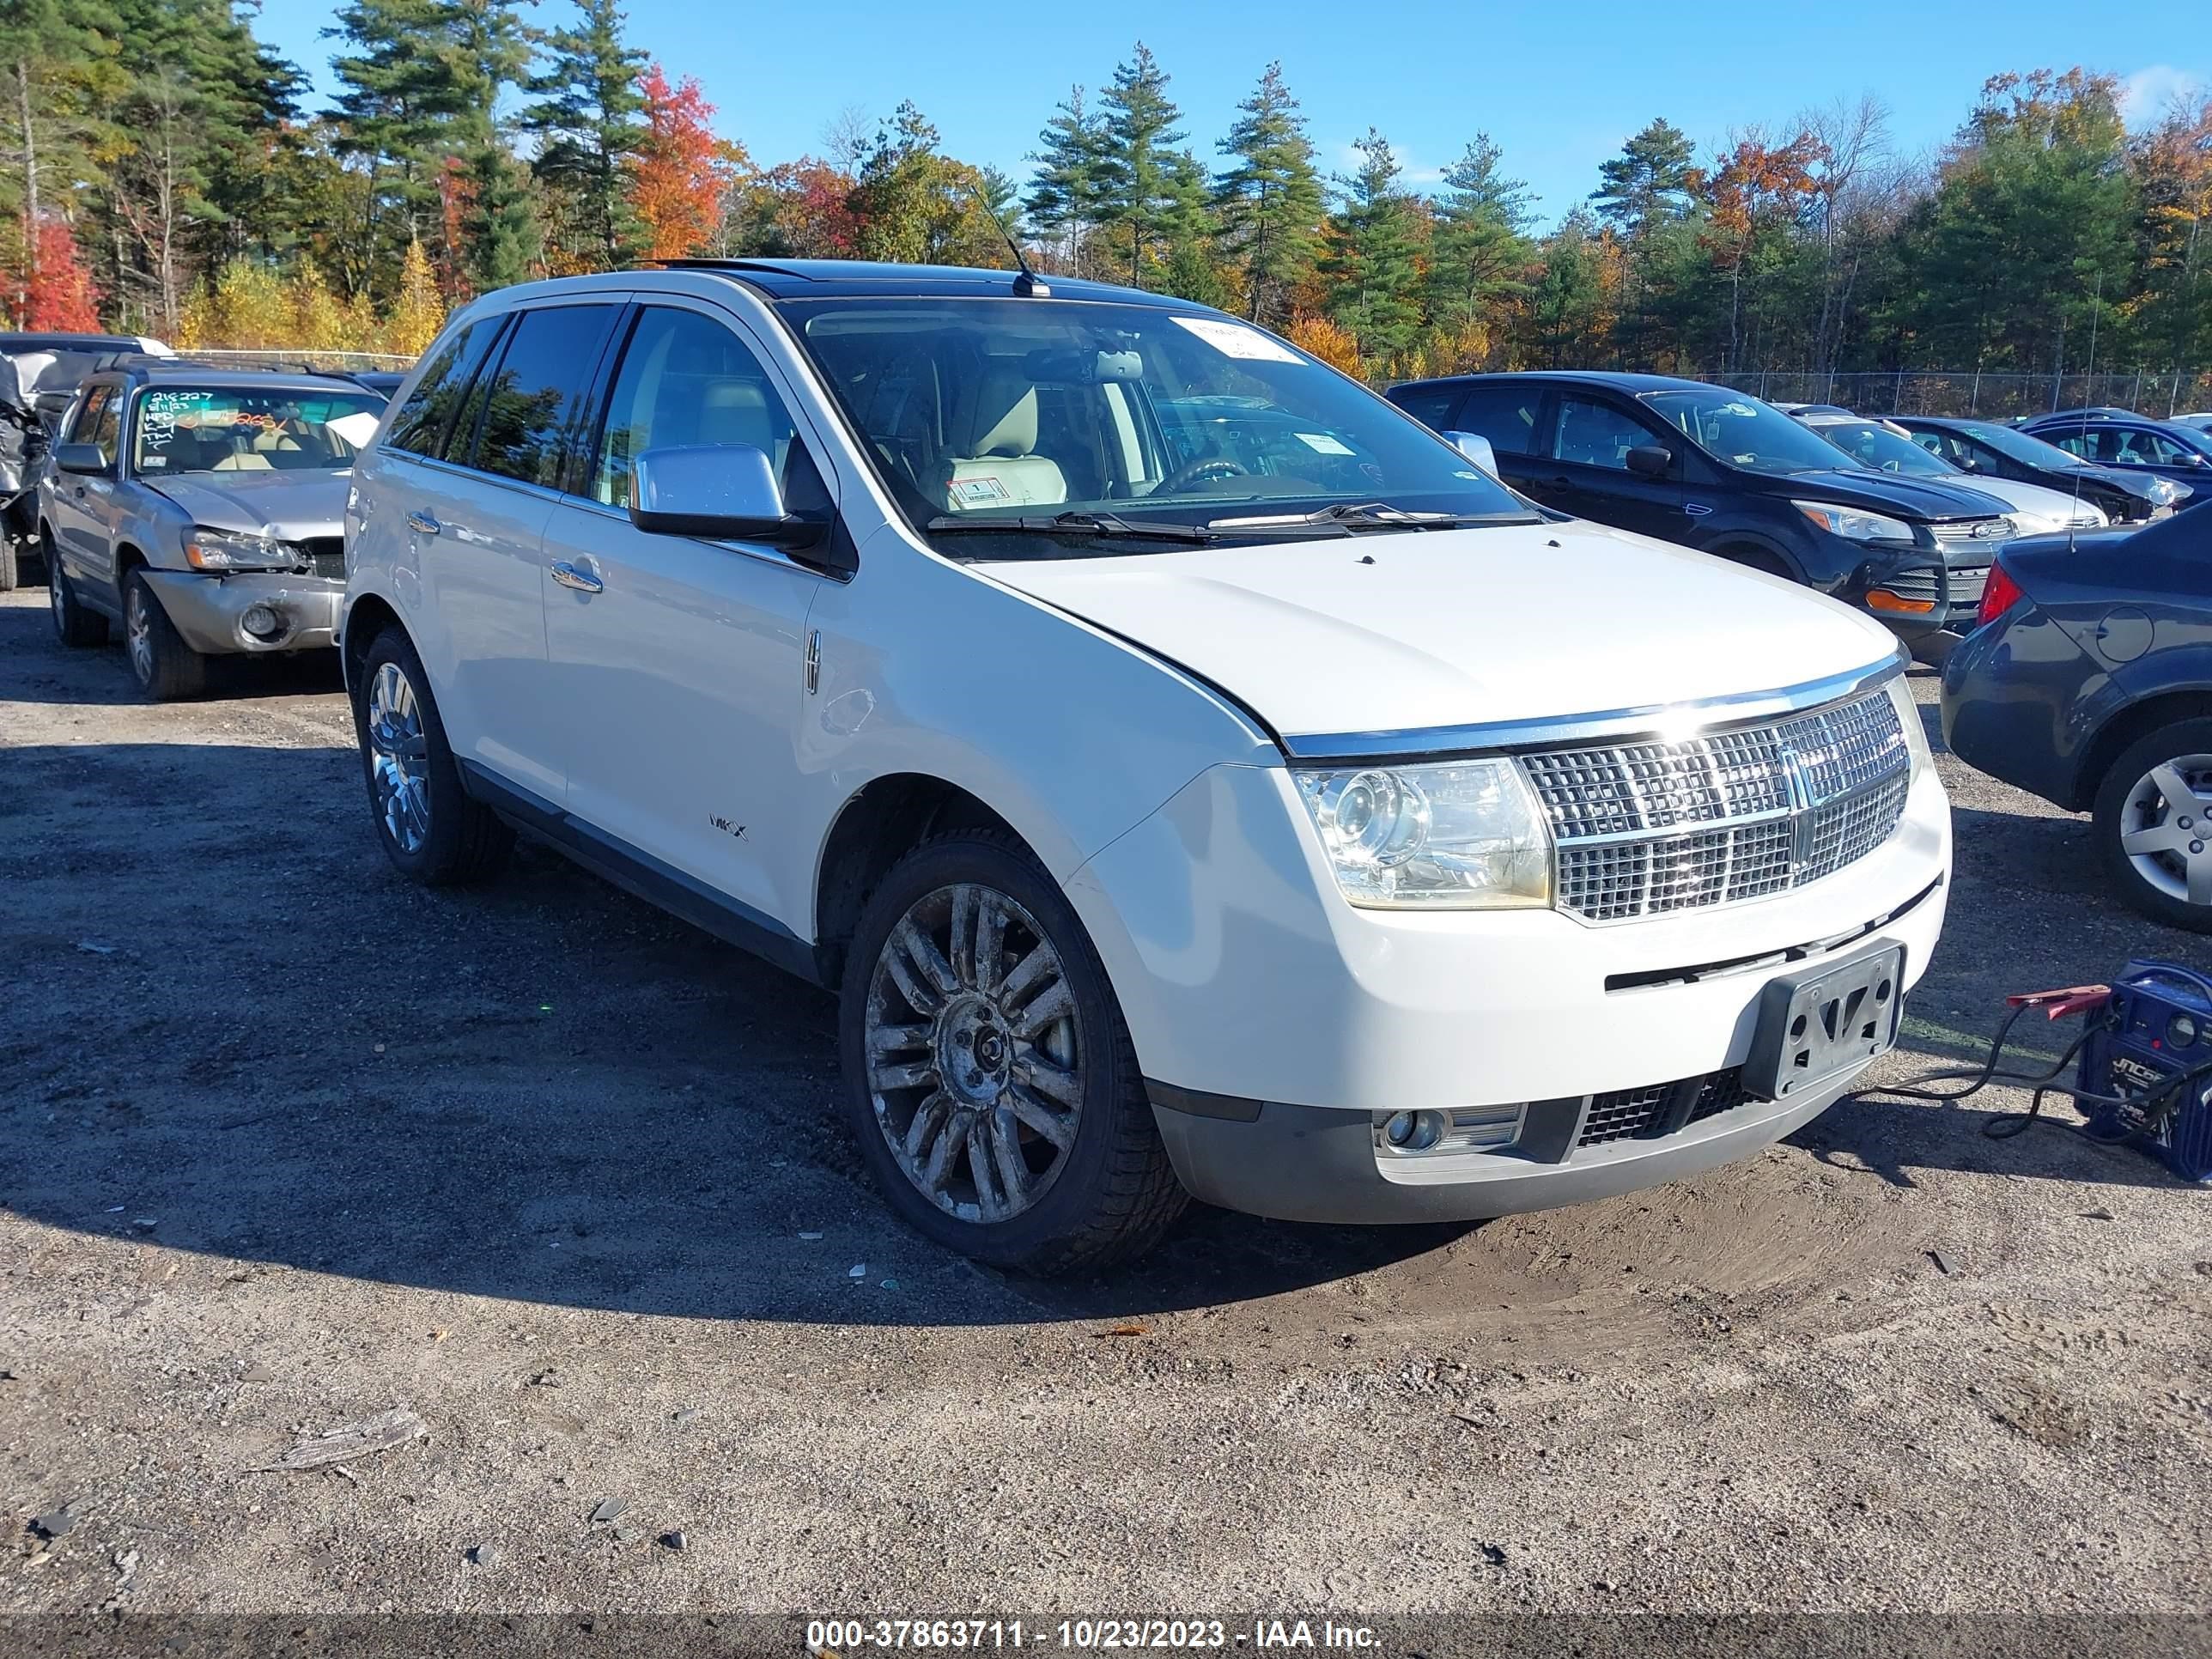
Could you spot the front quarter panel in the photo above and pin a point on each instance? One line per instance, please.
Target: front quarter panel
(1070, 734)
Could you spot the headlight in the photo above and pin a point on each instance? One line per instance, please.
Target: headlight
(1908, 716)
(234, 549)
(2165, 492)
(1854, 526)
(1457, 835)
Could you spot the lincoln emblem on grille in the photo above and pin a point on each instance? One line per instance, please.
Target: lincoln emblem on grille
(1798, 778)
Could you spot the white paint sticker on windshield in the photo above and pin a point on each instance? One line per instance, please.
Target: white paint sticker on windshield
(1322, 444)
(1234, 340)
(356, 429)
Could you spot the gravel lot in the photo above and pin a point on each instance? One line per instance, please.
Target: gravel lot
(285, 1143)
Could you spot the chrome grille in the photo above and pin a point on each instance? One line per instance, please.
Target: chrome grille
(1982, 530)
(1647, 828)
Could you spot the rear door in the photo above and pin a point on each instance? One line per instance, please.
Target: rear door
(474, 520)
(1586, 471)
(1510, 413)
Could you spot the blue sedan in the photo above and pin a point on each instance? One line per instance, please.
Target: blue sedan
(2088, 682)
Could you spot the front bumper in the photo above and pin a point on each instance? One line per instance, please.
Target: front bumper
(1309, 1163)
(1274, 1020)
(210, 610)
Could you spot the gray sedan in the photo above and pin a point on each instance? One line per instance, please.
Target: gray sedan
(2089, 682)
(204, 511)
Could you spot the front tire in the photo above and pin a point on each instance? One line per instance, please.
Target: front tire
(990, 1078)
(430, 828)
(11, 573)
(74, 624)
(2154, 825)
(164, 666)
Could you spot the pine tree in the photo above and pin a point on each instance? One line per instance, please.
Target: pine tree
(58, 60)
(589, 119)
(1065, 195)
(1137, 134)
(1482, 251)
(1372, 264)
(1188, 271)
(1642, 192)
(1269, 204)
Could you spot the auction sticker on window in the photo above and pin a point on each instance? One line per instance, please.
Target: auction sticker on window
(1234, 340)
(1322, 444)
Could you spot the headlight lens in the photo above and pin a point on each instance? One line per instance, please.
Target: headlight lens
(1908, 716)
(1456, 834)
(2164, 492)
(234, 550)
(1854, 526)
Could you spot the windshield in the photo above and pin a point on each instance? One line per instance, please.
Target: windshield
(989, 419)
(2016, 445)
(1871, 444)
(225, 429)
(1745, 432)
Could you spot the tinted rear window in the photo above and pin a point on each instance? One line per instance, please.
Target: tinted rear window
(420, 426)
(535, 396)
(1506, 415)
(1431, 405)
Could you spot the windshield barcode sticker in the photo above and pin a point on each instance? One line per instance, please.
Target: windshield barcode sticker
(1234, 340)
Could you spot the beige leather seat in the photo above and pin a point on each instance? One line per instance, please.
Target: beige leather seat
(990, 441)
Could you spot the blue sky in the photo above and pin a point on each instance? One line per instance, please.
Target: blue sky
(1558, 86)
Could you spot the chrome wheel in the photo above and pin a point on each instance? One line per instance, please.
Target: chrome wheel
(2166, 827)
(975, 1052)
(398, 758)
(138, 632)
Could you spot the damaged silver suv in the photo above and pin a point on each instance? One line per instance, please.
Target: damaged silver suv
(202, 509)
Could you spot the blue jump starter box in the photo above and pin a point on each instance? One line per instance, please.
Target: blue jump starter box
(2157, 1026)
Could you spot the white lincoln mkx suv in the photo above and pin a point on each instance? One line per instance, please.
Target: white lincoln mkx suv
(1196, 776)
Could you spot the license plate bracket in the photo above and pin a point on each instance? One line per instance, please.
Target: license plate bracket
(1818, 1022)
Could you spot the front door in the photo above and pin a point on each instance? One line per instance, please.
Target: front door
(82, 506)
(679, 666)
(1586, 471)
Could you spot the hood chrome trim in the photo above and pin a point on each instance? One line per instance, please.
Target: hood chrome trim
(1675, 719)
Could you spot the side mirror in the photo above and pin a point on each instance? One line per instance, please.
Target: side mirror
(720, 493)
(1650, 460)
(1476, 447)
(80, 458)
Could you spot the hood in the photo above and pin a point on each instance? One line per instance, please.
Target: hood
(2035, 507)
(1926, 499)
(293, 506)
(1460, 627)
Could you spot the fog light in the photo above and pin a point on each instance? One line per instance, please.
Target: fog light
(1463, 1129)
(261, 621)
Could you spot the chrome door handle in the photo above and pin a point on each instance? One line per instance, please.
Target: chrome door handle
(582, 581)
(424, 522)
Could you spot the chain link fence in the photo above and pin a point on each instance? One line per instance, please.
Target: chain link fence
(1964, 392)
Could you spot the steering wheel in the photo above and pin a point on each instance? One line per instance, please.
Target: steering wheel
(1203, 466)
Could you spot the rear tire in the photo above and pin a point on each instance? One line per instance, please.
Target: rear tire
(73, 623)
(998, 1102)
(164, 666)
(2145, 834)
(430, 828)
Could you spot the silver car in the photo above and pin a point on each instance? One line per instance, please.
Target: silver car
(202, 509)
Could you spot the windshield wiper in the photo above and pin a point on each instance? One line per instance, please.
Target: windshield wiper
(1366, 515)
(1078, 524)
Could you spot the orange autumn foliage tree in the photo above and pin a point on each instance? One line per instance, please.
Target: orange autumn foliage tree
(677, 177)
(61, 296)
